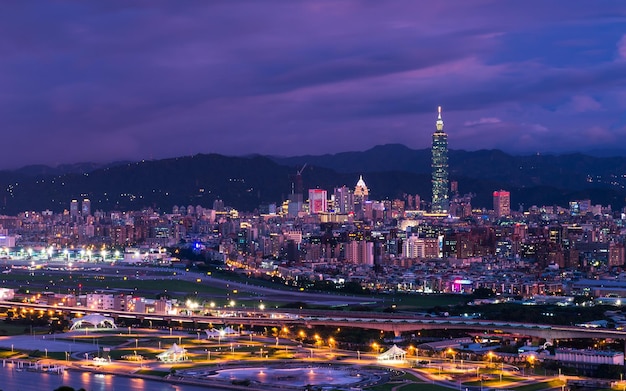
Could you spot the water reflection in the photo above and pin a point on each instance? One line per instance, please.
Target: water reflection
(296, 376)
(10, 379)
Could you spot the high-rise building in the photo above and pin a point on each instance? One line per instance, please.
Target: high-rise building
(74, 211)
(86, 207)
(440, 199)
(296, 198)
(344, 200)
(318, 202)
(361, 194)
(502, 203)
(360, 190)
(360, 252)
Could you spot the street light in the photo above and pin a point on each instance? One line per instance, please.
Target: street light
(531, 361)
(451, 352)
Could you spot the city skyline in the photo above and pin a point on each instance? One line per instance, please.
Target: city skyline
(91, 82)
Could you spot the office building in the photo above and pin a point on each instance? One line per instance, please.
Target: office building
(86, 207)
(440, 200)
(318, 202)
(502, 203)
(344, 200)
(74, 211)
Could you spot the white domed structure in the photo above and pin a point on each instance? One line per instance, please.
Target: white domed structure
(361, 189)
(95, 320)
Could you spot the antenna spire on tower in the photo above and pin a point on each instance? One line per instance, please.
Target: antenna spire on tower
(439, 120)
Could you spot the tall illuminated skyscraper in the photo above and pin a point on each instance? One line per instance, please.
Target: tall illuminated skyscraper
(74, 209)
(440, 201)
(502, 203)
(85, 209)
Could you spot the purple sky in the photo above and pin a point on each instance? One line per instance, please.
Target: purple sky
(110, 80)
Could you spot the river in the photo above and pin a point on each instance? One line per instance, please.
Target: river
(12, 380)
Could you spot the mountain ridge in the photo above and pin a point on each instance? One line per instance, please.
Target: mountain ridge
(391, 171)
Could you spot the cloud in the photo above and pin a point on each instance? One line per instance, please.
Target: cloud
(598, 135)
(170, 78)
(582, 104)
(621, 48)
(483, 121)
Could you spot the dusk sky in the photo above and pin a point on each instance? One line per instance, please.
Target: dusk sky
(111, 80)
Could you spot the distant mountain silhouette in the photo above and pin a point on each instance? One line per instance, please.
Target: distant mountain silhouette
(246, 182)
(76, 168)
(606, 152)
(570, 171)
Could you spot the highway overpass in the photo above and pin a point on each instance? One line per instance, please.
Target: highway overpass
(397, 323)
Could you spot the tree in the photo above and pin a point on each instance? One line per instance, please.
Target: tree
(483, 293)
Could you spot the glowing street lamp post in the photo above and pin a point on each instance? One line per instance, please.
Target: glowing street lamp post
(453, 353)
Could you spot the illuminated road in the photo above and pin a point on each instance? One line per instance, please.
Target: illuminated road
(144, 273)
(396, 323)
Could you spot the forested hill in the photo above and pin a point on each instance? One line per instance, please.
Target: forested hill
(246, 182)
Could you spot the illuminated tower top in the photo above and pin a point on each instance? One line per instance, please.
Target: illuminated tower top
(361, 190)
(361, 187)
(439, 121)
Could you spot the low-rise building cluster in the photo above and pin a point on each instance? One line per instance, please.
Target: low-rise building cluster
(383, 245)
